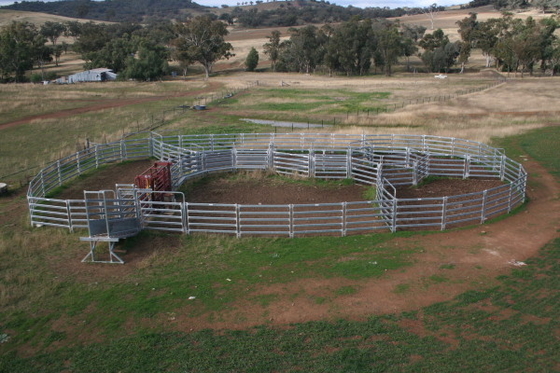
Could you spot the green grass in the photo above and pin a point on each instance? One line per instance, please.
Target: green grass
(299, 102)
(541, 144)
(512, 327)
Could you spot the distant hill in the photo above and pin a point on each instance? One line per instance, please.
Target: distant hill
(114, 10)
(257, 14)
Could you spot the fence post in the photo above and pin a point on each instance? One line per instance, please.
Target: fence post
(234, 158)
(467, 168)
(483, 207)
(59, 172)
(349, 163)
(407, 159)
(237, 221)
(415, 174)
(444, 213)
(96, 149)
(270, 156)
(344, 205)
(503, 167)
(69, 214)
(78, 166)
(185, 213)
(43, 182)
(291, 228)
(123, 150)
(510, 197)
(394, 217)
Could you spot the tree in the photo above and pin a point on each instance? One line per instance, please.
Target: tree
(82, 8)
(202, 40)
(226, 17)
(439, 53)
(272, 49)
(350, 48)
(150, 62)
(52, 31)
(390, 45)
(113, 55)
(252, 60)
(554, 59)
(73, 29)
(21, 46)
(467, 28)
(431, 12)
(304, 51)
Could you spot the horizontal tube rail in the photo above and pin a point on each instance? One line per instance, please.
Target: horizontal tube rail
(382, 161)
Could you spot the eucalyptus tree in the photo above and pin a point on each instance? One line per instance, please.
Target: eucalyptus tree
(390, 44)
(272, 48)
(304, 51)
(467, 31)
(149, 63)
(439, 53)
(52, 31)
(21, 46)
(201, 39)
(352, 43)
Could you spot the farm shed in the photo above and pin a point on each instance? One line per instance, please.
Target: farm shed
(94, 75)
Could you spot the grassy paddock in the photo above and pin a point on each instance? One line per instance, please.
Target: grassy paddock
(510, 327)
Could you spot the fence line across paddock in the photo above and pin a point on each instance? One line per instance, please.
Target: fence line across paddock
(382, 162)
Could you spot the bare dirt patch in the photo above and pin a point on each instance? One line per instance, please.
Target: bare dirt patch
(447, 187)
(255, 188)
(106, 178)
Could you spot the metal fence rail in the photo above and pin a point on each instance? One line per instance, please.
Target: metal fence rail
(381, 161)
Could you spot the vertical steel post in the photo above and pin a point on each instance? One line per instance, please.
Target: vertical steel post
(483, 207)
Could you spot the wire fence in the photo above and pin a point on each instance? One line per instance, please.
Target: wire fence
(382, 162)
(145, 125)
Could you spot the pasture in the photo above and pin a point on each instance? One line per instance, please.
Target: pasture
(405, 302)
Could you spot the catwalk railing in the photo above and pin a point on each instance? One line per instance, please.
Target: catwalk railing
(383, 162)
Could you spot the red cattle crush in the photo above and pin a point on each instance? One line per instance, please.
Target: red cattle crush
(156, 178)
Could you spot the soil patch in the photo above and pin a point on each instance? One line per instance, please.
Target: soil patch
(264, 188)
(447, 187)
(105, 178)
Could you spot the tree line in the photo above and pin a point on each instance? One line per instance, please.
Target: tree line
(546, 6)
(359, 45)
(131, 50)
(354, 47)
(288, 13)
(121, 10)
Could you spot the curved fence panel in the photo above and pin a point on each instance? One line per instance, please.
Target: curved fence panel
(381, 161)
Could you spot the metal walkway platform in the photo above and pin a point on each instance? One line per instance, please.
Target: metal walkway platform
(110, 219)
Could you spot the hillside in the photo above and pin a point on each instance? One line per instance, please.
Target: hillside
(275, 13)
(7, 16)
(122, 10)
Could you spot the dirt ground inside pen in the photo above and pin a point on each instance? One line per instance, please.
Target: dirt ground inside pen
(257, 188)
(477, 254)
